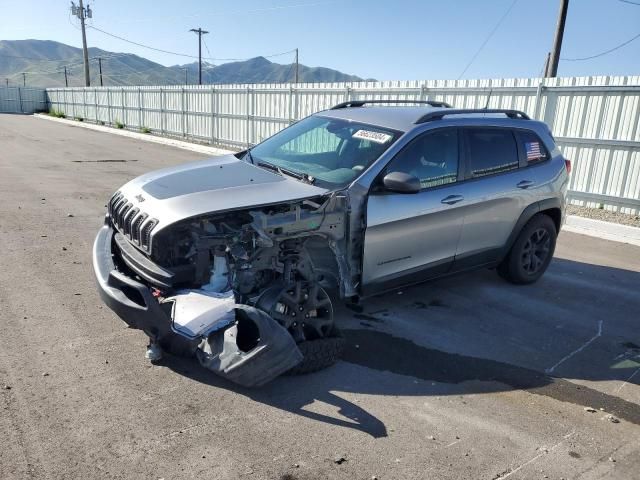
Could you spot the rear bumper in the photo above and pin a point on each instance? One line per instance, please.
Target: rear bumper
(131, 300)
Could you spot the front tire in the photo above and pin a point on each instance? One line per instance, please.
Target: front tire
(319, 354)
(531, 253)
(306, 311)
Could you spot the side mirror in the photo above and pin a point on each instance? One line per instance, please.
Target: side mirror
(401, 182)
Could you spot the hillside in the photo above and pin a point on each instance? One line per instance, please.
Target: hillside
(44, 62)
(261, 70)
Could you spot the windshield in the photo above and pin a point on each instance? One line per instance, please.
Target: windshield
(328, 151)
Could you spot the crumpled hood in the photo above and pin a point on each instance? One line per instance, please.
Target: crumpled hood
(213, 185)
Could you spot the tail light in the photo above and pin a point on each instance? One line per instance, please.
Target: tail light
(567, 164)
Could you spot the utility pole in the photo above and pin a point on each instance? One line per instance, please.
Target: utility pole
(100, 68)
(200, 32)
(552, 67)
(83, 13)
(297, 67)
(24, 79)
(66, 80)
(186, 78)
(7, 80)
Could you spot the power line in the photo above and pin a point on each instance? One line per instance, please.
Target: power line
(603, 53)
(629, 2)
(207, 47)
(182, 54)
(486, 40)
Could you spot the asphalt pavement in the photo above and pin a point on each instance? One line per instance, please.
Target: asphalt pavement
(463, 378)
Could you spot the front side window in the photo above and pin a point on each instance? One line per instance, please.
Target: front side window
(432, 158)
(331, 151)
(491, 151)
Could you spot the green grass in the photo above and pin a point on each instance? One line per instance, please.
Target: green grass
(57, 113)
(118, 124)
(145, 129)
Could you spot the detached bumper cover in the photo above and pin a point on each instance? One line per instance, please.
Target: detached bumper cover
(252, 352)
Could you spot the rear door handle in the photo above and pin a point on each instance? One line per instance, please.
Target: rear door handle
(451, 199)
(525, 184)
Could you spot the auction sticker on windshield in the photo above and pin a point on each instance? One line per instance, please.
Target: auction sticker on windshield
(377, 137)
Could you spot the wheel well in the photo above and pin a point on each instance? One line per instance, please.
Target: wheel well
(556, 215)
(323, 260)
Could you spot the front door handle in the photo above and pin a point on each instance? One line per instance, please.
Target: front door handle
(451, 199)
(524, 184)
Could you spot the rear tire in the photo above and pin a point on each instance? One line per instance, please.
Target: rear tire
(531, 253)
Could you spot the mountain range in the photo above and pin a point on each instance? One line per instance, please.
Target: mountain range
(43, 62)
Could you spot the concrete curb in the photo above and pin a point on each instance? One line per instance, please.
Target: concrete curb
(605, 230)
(194, 147)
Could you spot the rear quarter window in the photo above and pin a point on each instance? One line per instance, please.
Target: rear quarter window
(532, 147)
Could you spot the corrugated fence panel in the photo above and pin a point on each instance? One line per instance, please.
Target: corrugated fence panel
(22, 100)
(595, 119)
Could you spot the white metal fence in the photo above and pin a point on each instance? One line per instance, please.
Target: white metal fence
(22, 100)
(595, 119)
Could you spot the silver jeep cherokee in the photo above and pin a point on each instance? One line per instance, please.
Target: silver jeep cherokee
(231, 259)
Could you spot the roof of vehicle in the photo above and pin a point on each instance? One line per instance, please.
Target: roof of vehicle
(402, 118)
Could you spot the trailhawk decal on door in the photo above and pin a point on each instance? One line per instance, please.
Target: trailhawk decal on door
(376, 137)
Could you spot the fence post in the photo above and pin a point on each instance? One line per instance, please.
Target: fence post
(290, 104)
(213, 115)
(423, 92)
(84, 101)
(184, 125)
(249, 107)
(124, 112)
(536, 108)
(347, 94)
(109, 105)
(161, 111)
(95, 100)
(139, 108)
(20, 98)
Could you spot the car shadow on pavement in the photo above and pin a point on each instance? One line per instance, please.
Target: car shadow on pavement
(377, 362)
(292, 394)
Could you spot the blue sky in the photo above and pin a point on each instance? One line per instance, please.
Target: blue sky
(382, 39)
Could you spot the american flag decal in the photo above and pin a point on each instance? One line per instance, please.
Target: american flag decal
(533, 150)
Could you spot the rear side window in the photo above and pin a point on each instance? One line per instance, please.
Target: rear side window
(533, 148)
(491, 151)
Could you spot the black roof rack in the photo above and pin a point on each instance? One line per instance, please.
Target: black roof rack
(360, 103)
(439, 114)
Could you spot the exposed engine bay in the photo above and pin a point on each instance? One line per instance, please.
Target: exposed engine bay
(229, 281)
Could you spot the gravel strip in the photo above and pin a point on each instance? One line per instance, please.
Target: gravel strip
(604, 215)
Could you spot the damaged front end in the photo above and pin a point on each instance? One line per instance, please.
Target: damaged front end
(242, 290)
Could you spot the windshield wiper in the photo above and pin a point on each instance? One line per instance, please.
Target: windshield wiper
(270, 166)
(283, 171)
(248, 155)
